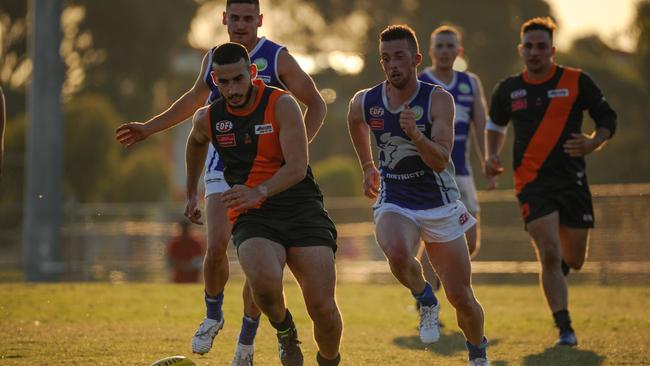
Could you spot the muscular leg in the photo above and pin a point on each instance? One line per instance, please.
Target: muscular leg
(215, 264)
(574, 246)
(473, 236)
(250, 309)
(398, 237)
(314, 270)
(451, 262)
(545, 232)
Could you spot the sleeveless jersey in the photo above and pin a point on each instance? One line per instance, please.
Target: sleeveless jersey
(405, 179)
(265, 56)
(248, 142)
(463, 89)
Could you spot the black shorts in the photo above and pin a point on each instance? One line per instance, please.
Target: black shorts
(573, 205)
(305, 225)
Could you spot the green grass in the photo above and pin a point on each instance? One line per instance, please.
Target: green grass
(136, 324)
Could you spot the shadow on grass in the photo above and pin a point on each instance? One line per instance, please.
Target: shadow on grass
(564, 356)
(449, 344)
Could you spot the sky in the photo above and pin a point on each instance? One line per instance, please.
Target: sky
(610, 19)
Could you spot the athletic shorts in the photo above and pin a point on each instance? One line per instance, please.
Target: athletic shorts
(437, 225)
(214, 182)
(467, 191)
(573, 205)
(304, 225)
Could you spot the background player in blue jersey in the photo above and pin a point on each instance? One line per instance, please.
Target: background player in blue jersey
(417, 198)
(276, 67)
(546, 103)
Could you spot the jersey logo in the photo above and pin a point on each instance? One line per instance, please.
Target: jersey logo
(394, 149)
(376, 111)
(465, 98)
(261, 63)
(377, 124)
(223, 126)
(263, 129)
(518, 104)
(558, 93)
(227, 140)
(519, 93)
(464, 217)
(419, 112)
(464, 88)
(265, 78)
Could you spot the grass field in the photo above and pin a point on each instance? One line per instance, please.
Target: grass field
(136, 324)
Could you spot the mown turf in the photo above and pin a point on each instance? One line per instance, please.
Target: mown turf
(135, 324)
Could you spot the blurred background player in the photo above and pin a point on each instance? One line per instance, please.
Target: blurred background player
(545, 104)
(3, 118)
(276, 67)
(185, 253)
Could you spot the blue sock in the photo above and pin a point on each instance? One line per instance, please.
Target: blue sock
(248, 330)
(477, 351)
(426, 298)
(213, 306)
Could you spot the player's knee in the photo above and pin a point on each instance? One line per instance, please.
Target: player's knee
(323, 309)
(399, 257)
(461, 298)
(549, 257)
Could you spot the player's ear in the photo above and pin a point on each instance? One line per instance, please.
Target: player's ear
(418, 59)
(253, 71)
(213, 76)
(520, 49)
(259, 22)
(224, 19)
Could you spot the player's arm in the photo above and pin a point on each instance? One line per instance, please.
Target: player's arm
(496, 129)
(129, 134)
(302, 86)
(601, 112)
(195, 151)
(293, 143)
(479, 117)
(3, 118)
(436, 150)
(360, 136)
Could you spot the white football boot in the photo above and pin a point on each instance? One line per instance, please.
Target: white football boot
(243, 355)
(429, 325)
(202, 340)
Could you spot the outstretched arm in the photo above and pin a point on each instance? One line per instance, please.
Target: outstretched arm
(195, 152)
(129, 134)
(302, 86)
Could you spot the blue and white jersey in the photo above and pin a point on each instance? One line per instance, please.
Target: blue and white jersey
(405, 179)
(265, 56)
(462, 87)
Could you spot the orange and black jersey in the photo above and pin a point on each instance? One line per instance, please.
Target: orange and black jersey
(248, 141)
(545, 113)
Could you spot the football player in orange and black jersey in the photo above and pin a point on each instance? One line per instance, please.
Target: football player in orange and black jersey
(545, 104)
(274, 205)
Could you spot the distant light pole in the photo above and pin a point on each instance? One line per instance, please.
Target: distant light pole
(43, 194)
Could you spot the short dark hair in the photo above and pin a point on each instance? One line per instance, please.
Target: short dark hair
(254, 2)
(230, 53)
(400, 31)
(448, 29)
(539, 23)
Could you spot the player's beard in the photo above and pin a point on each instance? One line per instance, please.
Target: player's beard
(404, 80)
(249, 93)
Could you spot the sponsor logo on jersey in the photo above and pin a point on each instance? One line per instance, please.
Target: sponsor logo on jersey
(464, 217)
(519, 104)
(558, 93)
(265, 78)
(519, 93)
(223, 126)
(464, 88)
(377, 124)
(465, 98)
(263, 129)
(418, 112)
(248, 139)
(421, 127)
(376, 111)
(227, 140)
(261, 63)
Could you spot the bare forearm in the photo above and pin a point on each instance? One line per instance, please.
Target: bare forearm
(314, 118)
(434, 154)
(361, 141)
(600, 137)
(181, 110)
(194, 160)
(286, 177)
(495, 141)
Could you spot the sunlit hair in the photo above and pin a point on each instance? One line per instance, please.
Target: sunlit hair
(230, 53)
(448, 29)
(401, 31)
(254, 2)
(546, 24)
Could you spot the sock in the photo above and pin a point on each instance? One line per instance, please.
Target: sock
(565, 268)
(284, 325)
(563, 321)
(248, 330)
(213, 306)
(477, 351)
(325, 362)
(426, 298)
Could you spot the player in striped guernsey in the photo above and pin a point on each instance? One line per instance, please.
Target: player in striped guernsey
(417, 198)
(545, 104)
(277, 68)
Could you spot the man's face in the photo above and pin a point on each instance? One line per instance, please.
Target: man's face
(444, 50)
(398, 61)
(234, 82)
(537, 50)
(242, 21)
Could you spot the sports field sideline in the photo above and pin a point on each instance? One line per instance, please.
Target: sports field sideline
(136, 324)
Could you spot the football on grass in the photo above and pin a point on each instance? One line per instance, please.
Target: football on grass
(174, 361)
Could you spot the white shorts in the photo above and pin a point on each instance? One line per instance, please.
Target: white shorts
(467, 191)
(437, 225)
(214, 183)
